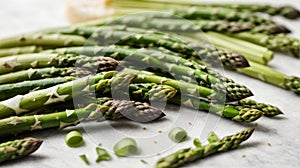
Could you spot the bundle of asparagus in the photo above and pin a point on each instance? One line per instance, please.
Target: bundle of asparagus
(45, 74)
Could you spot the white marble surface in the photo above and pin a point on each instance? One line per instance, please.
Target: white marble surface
(282, 133)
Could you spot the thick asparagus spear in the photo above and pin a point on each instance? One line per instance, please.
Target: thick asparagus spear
(60, 93)
(280, 42)
(236, 113)
(51, 40)
(11, 90)
(101, 109)
(19, 50)
(41, 73)
(269, 75)
(18, 148)
(26, 61)
(187, 155)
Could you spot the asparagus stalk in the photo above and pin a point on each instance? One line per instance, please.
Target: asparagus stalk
(137, 91)
(40, 60)
(285, 11)
(269, 75)
(280, 42)
(51, 40)
(11, 90)
(41, 73)
(143, 38)
(102, 109)
(19, 148)
(236, 113)
(251, 51)
(21, 104)
(188, 88)
(19, 50)
(187, 155)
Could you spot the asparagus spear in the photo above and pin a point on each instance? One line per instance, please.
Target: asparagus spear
(60, 93)
(19, 50)
(236, 113)
(269, 75)
(102, 109)
(39, 60)
(251, 51)
(128, 36)
(280, 42)
(187, 155)
(285, 11)
(188, 88)
(41, 73)
(18, 148)
(51, 40)
(11, 90)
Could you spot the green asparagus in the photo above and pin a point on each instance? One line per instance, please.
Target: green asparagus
(19, 50)
(229, 111)
(42, 73)
(40, 60)
(187, 155)
(102, 109)
(269, 75)
(52, 40)
(18, 148)
(11, 90)
(280, 42)
(285, 11)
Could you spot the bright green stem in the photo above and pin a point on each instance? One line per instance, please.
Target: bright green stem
(227, 111)
(19, 50)
(34, 74)
(101, 109)
(11, 90)
(251, 51)
(280, 42)
(269, 75)
(53, 40)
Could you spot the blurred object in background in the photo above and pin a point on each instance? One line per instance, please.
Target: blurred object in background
(83, 10)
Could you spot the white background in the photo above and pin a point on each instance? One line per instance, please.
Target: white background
(282, 133)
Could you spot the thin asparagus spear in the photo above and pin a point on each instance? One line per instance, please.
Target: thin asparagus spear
(11, 90)
(187, 88)
(41, 73)
(229, 111)
(40, 60)
(280, 42)
(52, 40)
(187, 155)
(19, 50)
(269, 75)
(19, 148)
(285, 11)
(102, 109)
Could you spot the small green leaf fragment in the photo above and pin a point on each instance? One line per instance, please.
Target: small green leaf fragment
(178, 135)
(143, 161)
(197, 142)
(85, 159)
(74, 139)
(212, 137)
(126, 147)
(102, 154)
